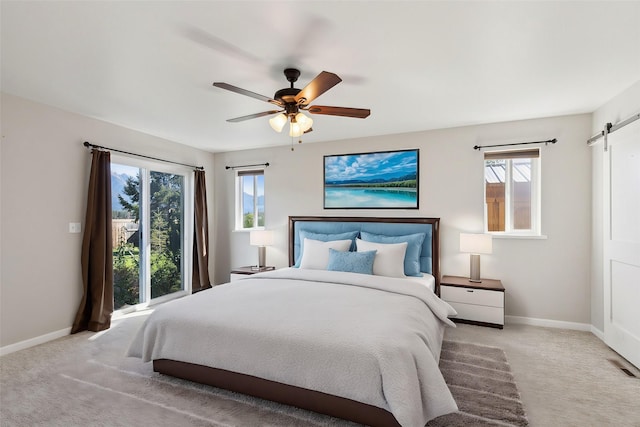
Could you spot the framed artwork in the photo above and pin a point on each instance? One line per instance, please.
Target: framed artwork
(380, 180)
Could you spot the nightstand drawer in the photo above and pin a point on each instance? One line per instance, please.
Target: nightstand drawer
(479, 313)
(463, 295)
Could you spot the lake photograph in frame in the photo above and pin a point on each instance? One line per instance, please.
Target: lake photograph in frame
(380, 180)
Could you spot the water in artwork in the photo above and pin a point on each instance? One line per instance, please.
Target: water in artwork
(359, 197)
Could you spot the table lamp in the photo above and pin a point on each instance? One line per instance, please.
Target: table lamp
(475, 244)
(261, 239)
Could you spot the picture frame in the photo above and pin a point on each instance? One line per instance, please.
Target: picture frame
(373, 180)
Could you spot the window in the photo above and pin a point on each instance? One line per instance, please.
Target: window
(512, 192)
(151, 227)
(250, 199)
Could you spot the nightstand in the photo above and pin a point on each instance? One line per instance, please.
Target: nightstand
(240, 272)
(477, 303)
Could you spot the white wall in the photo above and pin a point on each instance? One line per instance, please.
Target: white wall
(44, 180)
(44, 173)
(545, 279)
(616, 110)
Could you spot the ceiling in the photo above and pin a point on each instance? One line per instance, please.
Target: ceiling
(417, 65)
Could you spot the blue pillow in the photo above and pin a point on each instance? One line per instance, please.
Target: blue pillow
(349, 235)
(352, 262)
(414, 248)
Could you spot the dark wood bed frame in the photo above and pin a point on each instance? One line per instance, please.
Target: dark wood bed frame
(295, 396)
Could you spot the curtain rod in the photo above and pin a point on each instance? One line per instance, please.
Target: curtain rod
(548, 141)
(612, 128)
(88, 144)
(247, 166)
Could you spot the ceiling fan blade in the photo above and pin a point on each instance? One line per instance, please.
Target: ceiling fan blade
(359, 113)
(241, 91)
(254, 116)
(316, 87)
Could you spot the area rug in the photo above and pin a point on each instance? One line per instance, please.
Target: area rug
(85, 380)
(482, 385)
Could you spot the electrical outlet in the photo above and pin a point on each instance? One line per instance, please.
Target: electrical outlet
(75, 227)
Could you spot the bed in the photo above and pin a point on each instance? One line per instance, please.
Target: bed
(321, 335)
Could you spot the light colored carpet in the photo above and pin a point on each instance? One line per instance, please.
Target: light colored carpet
(564, 377)
(84, 380)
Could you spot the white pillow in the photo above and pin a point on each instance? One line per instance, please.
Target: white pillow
(389, 257)
(316, 253)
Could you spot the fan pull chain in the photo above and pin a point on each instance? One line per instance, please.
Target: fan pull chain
(299, 142)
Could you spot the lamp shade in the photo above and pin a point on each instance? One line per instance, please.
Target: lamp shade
(278, 122)
(304, 122)
(476, 243)
(261, 238)
(295, 129)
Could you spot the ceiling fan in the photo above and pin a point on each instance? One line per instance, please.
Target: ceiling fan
(292, 101)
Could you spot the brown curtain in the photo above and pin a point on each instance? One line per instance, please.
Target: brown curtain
(200, 279)
(96, 307)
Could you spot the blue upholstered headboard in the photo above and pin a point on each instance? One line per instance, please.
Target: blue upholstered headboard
(429, 258)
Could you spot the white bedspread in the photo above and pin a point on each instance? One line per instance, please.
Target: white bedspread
(372, 339)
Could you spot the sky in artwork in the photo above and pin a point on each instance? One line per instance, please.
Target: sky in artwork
(370, 166)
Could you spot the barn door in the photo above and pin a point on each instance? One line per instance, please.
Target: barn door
(622, 241)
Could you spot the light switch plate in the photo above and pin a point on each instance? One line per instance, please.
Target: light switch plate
(75, 227)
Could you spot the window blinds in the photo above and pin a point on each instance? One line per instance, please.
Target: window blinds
(529, 153)
(251, 172)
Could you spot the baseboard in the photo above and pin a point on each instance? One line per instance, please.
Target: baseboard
(546, 323)
(597, 332)
(11, 348)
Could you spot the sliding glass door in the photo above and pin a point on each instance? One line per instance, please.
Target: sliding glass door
(151, 224)
(166, 245)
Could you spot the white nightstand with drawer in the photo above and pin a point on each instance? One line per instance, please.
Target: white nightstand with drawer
(480, 303)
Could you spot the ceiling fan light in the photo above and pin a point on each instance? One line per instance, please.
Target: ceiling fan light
(295, 129)
(304, 122)
(278, 122)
